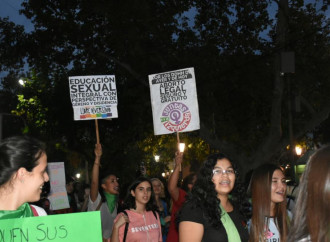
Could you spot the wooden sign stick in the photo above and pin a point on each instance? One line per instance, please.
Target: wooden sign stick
(97, 132)
(178, 140)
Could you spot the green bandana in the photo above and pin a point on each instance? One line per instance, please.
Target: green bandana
(111, 201)
(229, 226)
(22, 212)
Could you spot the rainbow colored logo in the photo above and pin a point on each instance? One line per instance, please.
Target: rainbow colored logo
(98, 115)
(94, 112)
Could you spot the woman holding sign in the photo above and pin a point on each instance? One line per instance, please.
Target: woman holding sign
(107, 205)
(209, 214)
(23, 164)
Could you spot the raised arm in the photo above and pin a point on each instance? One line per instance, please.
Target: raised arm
(95, 172)
(172, 186)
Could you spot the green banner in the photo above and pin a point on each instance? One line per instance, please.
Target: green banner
(82, 227)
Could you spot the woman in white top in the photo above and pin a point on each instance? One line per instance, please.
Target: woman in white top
(23, 164)
(269, 215)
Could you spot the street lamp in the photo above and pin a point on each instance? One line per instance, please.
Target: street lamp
(157, 158)
(298, 150)
(21, 82)
(78, 175)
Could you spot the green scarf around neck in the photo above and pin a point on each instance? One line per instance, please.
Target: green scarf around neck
(111, 201)
(229, 226)
(22, 212)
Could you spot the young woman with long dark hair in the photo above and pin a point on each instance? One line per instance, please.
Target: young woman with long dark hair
(23, 164)
(209, 214)
(141, 216)
(269, 214)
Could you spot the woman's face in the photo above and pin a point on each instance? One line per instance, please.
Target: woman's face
(223, 177)
(111, 185)
(157, 187)
(36, 178)
(278, 187)
(142, 193)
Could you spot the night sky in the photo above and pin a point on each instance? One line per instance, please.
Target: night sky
(10, 8)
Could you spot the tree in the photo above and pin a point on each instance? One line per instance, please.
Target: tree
(12, 47)
(243, 98)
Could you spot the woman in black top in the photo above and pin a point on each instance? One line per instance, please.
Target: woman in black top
(208, 214)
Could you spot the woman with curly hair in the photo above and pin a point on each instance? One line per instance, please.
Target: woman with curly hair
(311, 221)
(209, 214)
(141, 216)
(269, 214)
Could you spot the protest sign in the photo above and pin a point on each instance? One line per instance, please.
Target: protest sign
(82, 227)
(93, 97)
(58, 196)
(174, 101)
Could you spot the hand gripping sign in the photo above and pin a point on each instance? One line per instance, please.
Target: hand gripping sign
(174, 101)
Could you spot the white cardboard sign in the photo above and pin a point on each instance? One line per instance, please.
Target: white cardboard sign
(174, 101)
(93, 97)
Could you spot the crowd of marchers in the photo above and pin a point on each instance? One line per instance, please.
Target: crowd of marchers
(210, 205)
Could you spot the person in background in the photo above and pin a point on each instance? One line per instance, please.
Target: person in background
(70, 189)
(291, 193)
(85, 200)
(270, 219)
(159, 192)
(45, 204)
(108, 205)
(23, 172)
(311, 220)
(208, 214)
(140, 217)
(178, 195)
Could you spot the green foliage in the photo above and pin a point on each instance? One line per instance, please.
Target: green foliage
(31, 107)
(33, 111)
(233, 46)
(165, 147)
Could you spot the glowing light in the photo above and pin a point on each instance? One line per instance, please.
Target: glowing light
(181, 147)
(21, 82)
(157, 158)
(298, 150)
(78, 175)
